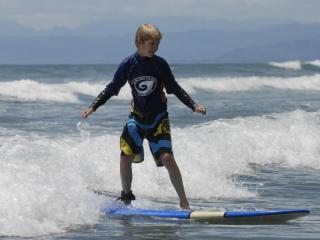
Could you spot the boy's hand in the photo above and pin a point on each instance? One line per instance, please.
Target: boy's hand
(200, 109)
(87, 112)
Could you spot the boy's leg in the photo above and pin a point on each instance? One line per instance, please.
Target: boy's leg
(126, 178)
(175, 177)
(126, 173)
(159, 139)
(131, 151)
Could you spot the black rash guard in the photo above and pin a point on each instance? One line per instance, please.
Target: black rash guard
(147, 76)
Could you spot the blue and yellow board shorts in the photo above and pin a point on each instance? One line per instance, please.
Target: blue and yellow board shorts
(156, 131)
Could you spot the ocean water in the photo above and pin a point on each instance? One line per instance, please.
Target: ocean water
(257, 148)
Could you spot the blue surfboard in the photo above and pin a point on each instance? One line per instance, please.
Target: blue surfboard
(217, 217)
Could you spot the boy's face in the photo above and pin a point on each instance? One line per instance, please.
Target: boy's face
(148, 48)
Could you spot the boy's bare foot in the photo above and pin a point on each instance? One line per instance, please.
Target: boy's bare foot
(185, 206)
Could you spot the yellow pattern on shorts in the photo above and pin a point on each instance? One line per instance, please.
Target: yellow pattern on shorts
(126, 149)
(163, 128)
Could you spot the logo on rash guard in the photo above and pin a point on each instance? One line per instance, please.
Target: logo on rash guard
(144, 85)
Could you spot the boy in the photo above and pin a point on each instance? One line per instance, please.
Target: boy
(148, 75)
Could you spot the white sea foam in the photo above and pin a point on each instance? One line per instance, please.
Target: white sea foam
(44, 182)
(234, 84)
(294, 65)
(30, 90)
(42, 188)
(213, 152)
(315, 63)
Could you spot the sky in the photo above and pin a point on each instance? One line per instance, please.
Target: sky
(47, 14)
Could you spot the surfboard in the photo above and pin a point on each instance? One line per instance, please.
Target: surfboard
(215, 217)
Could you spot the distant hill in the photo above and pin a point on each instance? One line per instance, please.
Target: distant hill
(294, 41)
(218, 46)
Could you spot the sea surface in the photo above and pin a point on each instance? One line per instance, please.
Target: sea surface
(257, 148)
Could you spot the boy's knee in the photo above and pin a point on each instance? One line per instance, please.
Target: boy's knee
(126, 159)
(166, 158)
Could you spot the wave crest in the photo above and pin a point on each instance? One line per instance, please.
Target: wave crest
(294, 65)
(30, 90)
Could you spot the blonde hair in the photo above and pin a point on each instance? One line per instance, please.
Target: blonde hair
(146, 32)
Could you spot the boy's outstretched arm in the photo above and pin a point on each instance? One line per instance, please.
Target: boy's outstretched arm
(111, 89)
(172, 86)
(187, 100)
(99, 101)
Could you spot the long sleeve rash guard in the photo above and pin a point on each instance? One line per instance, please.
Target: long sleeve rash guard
(147, 76)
